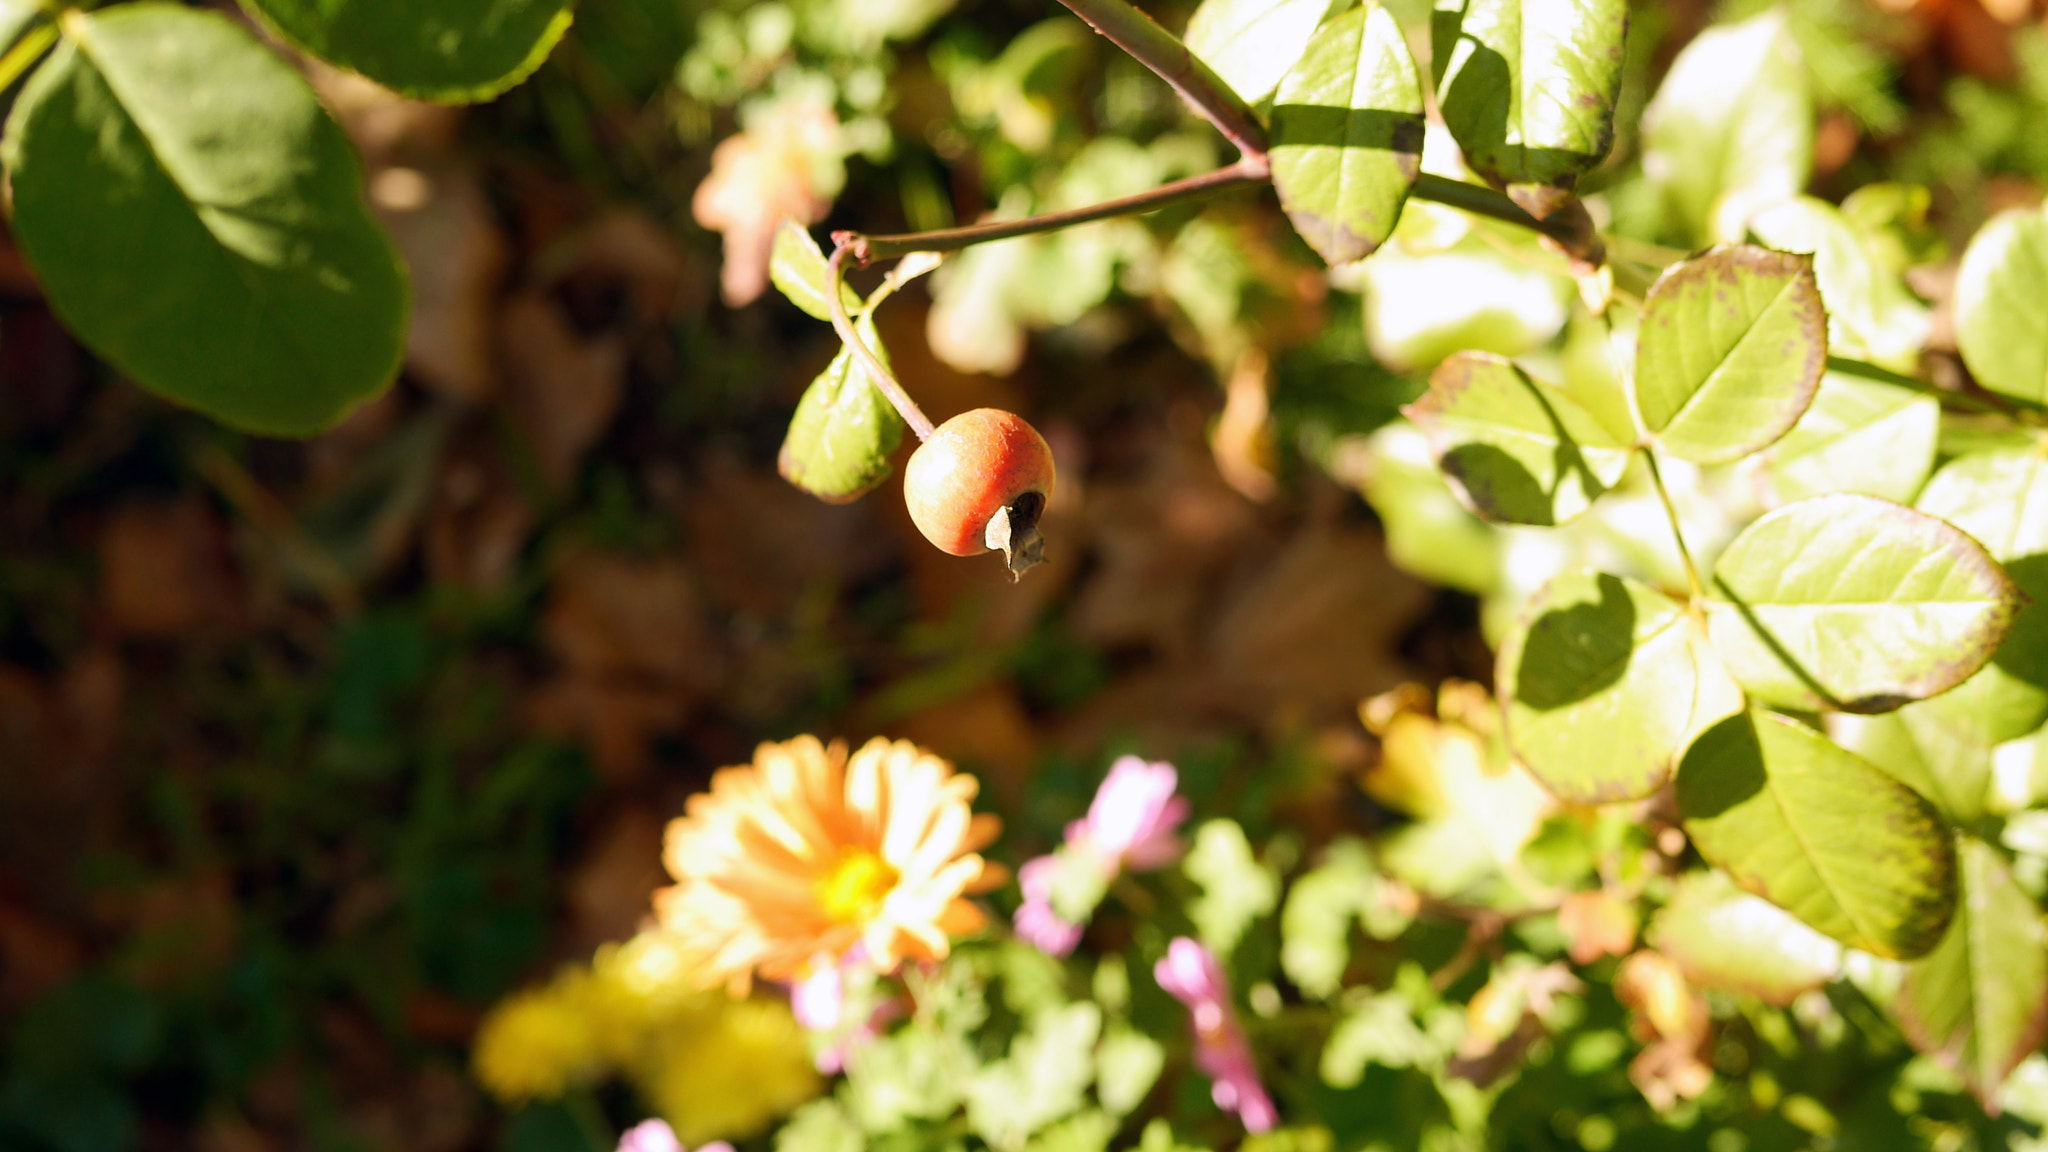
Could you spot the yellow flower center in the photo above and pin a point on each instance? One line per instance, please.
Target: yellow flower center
(856, 887)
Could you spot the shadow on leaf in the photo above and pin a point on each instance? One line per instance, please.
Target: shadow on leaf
(1571, 653)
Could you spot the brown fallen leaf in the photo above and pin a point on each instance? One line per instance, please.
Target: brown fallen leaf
(562, 388)
(608, 893)
(451, 242)
(165, 570)
(479, 520)
(1317, 627)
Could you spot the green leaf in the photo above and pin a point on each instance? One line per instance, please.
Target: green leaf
(2001, 328)
(1043, 1079)
(1515, 450)
(1871, 316)
(1429, 533)
(1820, 832)
(1947, 763)
(195, 216)
(1127, 1064)
(1723, 937)
(1979, 1002)
(1315, 924)
(1730, 129)
(1347, 135)
(1236, 888)
(1856, 604)
(457, 51)
(1604, 683)
(1381, 1030)
(1529, 87)
(15, 17)
(1252, 43)
(844, 429)
(2000, 498)
(1730, 351)
(1859, 436)
(914, 1073)
(819, 1126)
(797, 266)
(1089, 1131)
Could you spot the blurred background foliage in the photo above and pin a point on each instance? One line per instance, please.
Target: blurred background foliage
(311, 752)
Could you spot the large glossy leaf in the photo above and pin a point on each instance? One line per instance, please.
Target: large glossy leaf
(1604, 683)
(2001, 328)
(1347, 135)
(1859, 436)
(1730, 129)
(844, 429)
(1871, 315)
(1515, 450)
(1819, 832)
(451, 50)
(195, 216)
(1529, 85)
(1979, 1002)
(1922, 749)
(2001, 499)
(1730, 351)
(1857, 604)
(1723, 937)
(1252, 43)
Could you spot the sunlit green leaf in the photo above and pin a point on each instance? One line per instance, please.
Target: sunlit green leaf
(1127, 1064)
(2001, 328)
(1724, 937)
(843, 431)
(1043, 1079)
(1820, 832)
(1529, 86)
(1381, 1030)
(912, 1073)
(1979, 1002)
(1948, 763)
(1730, 129)
(196, 217)
(797, 267)
(1857, 604)
(453, 50)
(1871, 316)
(1253, 43)
(2001, 499)
(1236, 888)
(1729, 353)
(1515, 450)
(820, 1126)
(1347, 135)
(1859, 436)
(1604, 682)
(1322, 905)
(1089, 1131)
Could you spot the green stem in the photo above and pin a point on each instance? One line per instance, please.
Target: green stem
(26, 51)
(835, 302)
(1162, 52)
(866, 248)
(1692, 572)
(1480, 200)
(1969, 401)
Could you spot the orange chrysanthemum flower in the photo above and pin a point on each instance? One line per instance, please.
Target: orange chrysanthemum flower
(792, 860)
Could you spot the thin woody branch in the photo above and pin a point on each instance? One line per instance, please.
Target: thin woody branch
(1162, 52)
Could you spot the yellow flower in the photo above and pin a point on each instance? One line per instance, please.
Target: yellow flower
(804, 854)
(728, 1069)
(536, 1044)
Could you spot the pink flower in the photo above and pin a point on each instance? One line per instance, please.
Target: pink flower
(818, 1001)
(657, 1136)
(1133, 817)
(1130, 824)
(1192, 976)
(1036, 921)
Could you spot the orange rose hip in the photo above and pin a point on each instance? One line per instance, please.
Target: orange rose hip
(980, 483)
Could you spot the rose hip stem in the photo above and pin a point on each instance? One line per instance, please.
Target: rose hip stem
(877, 372)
